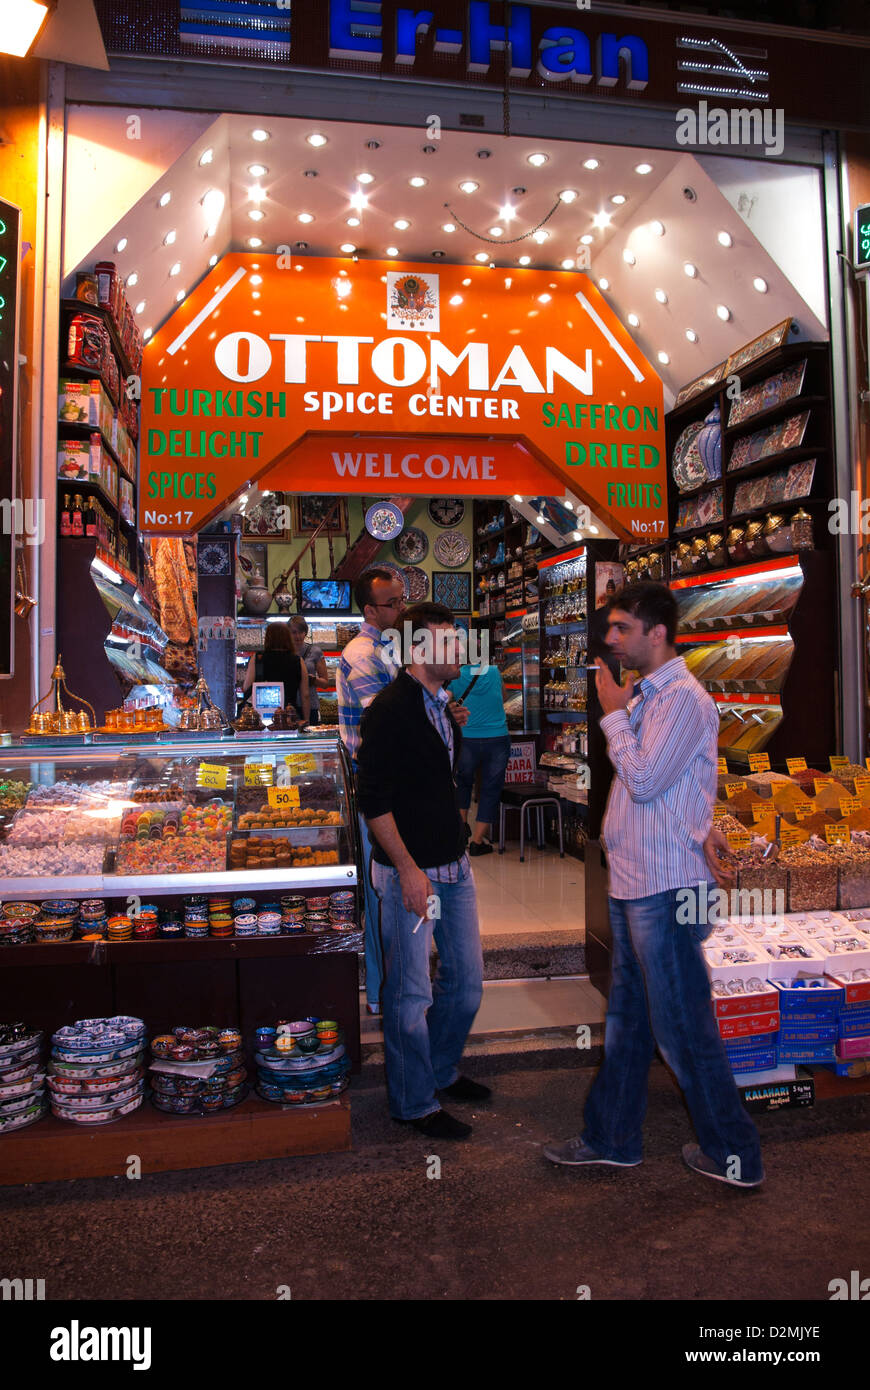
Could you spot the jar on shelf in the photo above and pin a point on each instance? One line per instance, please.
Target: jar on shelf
(683, 557)
(802, 530)
(736, 544)
(755, 541)
(656, 567)
(699, 553)
(777, 533)
(717, 553)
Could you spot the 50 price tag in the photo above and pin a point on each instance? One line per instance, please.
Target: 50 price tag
(283, 797)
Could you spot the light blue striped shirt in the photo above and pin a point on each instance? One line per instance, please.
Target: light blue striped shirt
(664, 751)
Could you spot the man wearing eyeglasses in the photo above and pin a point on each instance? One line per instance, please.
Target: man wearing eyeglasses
(365, 669)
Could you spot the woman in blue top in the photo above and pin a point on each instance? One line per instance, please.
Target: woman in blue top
(486, 745)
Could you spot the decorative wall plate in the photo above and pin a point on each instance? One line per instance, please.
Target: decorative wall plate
(446, 511)
(686, 466)
(412, 546)
(384, 521)
(452, 549)
(213, 557)
(418, 583)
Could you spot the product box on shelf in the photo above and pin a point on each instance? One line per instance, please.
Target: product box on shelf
(756, 1057)
(799, 1001)
(854, 1020)
(85, 403)
(856, 991)
(797, 1031)
(762, 1097)
(748, 1025)
(790, 953)
(849, 1048)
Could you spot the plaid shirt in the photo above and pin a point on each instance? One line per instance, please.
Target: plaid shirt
(363, 672)
(436, 710)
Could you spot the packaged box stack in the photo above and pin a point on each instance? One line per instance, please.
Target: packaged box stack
(847, 963)
(809, 1010)
(85, 403)
(745, 1005)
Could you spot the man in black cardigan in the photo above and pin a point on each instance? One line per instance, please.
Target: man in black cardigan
(406, 761)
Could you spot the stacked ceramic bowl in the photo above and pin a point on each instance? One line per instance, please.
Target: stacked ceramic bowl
(57, 920)
(341, 911)
(145, 927)
(220, 917)
(293, 914)
(93, 920)
(120, 927)
(17, 924)
(317, 914)
(302, 1062)
(269, 920)
(196, 916)
(22, 1083)
(171, 927)
(96, 1073)
(197, 1071)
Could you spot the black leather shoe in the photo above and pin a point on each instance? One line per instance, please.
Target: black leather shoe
(464, 1088)
(439, 1125)
(476, 848)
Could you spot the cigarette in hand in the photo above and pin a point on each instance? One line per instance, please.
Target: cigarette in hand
(420, 921)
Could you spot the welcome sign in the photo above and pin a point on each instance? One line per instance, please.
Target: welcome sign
(265, 354)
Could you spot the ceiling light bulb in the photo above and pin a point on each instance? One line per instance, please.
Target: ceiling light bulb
(496, 231)
(691, 270)
(643, 168)
(417, 182)
(601, 220)
(568, 195)
(353, 221)
(448, 227)
(657, 227)
(633, 320)
(347, 247)
(254, 242)
(213, 260)
(256, 279)
(661, 296)
(365, 178)
(760, 284)
(482, 256)
(175, 269)
(316, 139)
(568, 264)
(724, 312)
(259, 134)
(257, 170)
(578, 535)
(541, 236)
(164, 199)
(593, 530)
(132, 279)
(692, 336)
(402, 225)
(591, 163)
(629, 257)
(604, 283)
(147, 334)
(525, 260)
(212, 204)
(724, 239)
(456, 299)
(169, 239)
(206, 157)
(392, 250)
(140, 306)
(469, 186)
(121, 245)
(544, 298)
(256, 193)
(256, 214)
(518, 497)
(359, 201)
(586, 240)
(569, 505)
(617, 198)
(536, 160)
(180, 296)
(507, 212)
(663, 358)
(305, 217)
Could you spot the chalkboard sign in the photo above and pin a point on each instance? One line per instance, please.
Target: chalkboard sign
(10, 233)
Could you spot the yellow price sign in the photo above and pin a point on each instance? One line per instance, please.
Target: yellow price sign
(211, 775)
(838, 833)
(738, 839)
(721, 767)
(732, 788)
(300, 762)
(796, 765)
(819, 782)
(867, 764)
(790, 835)
(862, 782)
(761, 812)
(720, 812)
(283, 796)
(838, 763)
(802, 812)
(258, 774)
(759, 762)
(850, 805)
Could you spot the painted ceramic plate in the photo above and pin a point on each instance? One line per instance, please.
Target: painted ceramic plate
(452, 549)
(412, 546)
(384, 521)
(394, 569)
(686, 466)
(446, 511)
(418, 583)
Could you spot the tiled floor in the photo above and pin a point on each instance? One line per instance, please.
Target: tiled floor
(514, 1006)
(543, 894)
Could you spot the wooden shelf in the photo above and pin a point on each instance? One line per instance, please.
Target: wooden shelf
(784, 457)
(79, 306)
(773, 412)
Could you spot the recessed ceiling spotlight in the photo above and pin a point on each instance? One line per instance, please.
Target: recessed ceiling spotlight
(347, 247)
(663, 358)
(448, 227)
(310, 173)
(359, 201)
(316, 139)
(169, 239)
(496, 231)
(180, 296)
(121, 245)
(519, 191)
(691, 335)
(373, 144)
(629, 257)
(147, 334)
(256, 214)
(402, 225)
(456, 299)
(569, 505)
(175, 269)
(661, 296)
(305, 217)
(164, 199)
(586, 240)
(578, 535)
(568, 195)
(438, 255)
(429, 149)
(484, 154)
(507, 212)
(760, 284)
(468, 186)
(525, 260)
(724, 312)
(255, 242)
(617, 198)
(691, 270)
(634, 320)
(568, 264)
(206, 157)
(259, 134)
(657, 228)
(481, 256)
(540, 236)
(297, 245)
(643, 168)
(140, 306)
(392, 250)
(257, 171)
(591, 163)
(256, 193)
(593, 530)
(724, 239)
(604, 283)
(601, 220)
(256, 279)
(132, 279)
(418, 182)
(365, 178)
(212, 260)
(536, 160)
(352, 221)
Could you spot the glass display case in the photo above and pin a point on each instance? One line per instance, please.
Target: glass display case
(221, 814)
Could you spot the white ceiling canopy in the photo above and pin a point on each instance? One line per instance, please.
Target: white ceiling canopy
(678, 263)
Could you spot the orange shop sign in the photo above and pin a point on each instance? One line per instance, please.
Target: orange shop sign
(265, 354)
(419, 465)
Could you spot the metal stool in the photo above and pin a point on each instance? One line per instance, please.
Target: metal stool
(526, 803)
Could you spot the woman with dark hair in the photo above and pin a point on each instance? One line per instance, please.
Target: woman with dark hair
(279, 662)
(314, 661)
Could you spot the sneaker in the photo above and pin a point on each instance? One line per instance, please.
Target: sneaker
(476, 848)
(464, 1088)
(439, 1125)
(700, 1163)
(576, 1153)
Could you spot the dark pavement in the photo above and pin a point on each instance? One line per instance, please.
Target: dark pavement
(500, 1222)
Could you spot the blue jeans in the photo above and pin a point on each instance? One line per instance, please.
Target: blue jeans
(373, 952)
(660, 997)
(427, 1022)
(491, 756)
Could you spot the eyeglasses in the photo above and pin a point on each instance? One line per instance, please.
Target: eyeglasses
(393, 603)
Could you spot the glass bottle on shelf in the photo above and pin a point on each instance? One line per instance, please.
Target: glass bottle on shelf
(77, 522)
(65, 518)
